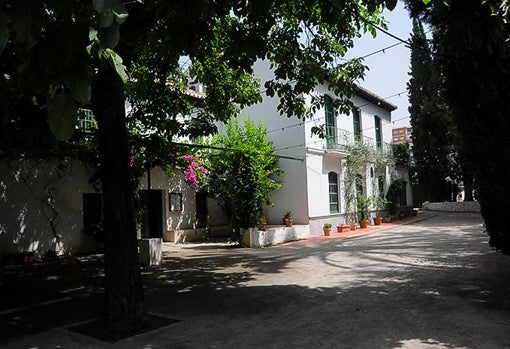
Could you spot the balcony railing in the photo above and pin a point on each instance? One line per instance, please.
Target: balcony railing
(341, 140)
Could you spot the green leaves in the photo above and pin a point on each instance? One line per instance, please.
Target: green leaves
(110, 36)
(243, 177)
(79, 82)
(27, 19)
(110, 10)
(111, 14)
(391, 4)
(116, 62)
(62, 115)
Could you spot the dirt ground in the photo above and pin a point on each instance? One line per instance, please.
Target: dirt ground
(431, 284)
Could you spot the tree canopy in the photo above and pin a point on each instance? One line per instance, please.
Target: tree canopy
(56, 56)
(243, 175)
(471, 47)
(434, 132)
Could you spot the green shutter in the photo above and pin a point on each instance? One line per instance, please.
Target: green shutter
(330, 121)
(357, 124)
(378, 133)
(333, 193)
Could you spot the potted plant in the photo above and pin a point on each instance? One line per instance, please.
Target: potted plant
(364, 203)
(327, 229)
(262, 222)
(150, 248)
(379, 203)
(352, 225)
(288, 219)
(342, 228)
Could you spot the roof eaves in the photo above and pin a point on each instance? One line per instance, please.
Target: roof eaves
(375, 99)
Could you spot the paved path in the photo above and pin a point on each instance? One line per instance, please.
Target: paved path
(430, 284)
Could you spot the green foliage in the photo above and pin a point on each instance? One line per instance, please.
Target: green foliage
(62, 115)
(472, 57)
(380, 203)
(57, 54)
(242, 177)
(434, 132)
(53, 47)
(401, 154)
(395, 196)
(364, 203)
(360, 157)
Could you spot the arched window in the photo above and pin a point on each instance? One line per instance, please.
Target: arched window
(334, 204)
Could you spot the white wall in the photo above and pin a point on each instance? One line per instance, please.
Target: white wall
(306, 188)
(24, 222)
(288, 137)
(25, 216)
(185, 219)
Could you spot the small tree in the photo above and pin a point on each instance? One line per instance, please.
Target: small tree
(364, 203)
(355, 167)
(243, 175)
(360, 156)
(395, 195)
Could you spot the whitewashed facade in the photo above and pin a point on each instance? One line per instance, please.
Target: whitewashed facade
(45, 205)
(308, 160)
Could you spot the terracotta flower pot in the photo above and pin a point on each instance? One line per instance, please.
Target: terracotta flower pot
(342, 228)
(327, 231)
(363, 223)
(377, 220)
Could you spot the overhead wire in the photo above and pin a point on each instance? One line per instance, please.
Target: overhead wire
(321, 118)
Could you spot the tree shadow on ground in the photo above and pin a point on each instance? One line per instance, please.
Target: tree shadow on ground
(387, 290)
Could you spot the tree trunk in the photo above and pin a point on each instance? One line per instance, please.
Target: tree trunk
(124, 292)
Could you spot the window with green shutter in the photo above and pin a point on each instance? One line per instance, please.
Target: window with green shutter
(356, 118)
(330, 121)
(378, 131)
(334, 206)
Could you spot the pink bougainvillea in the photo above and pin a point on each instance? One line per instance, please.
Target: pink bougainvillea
(193, 170)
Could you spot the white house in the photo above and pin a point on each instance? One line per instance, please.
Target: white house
(313, 185)
(50, 206)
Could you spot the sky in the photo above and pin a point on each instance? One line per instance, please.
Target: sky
(388, 71)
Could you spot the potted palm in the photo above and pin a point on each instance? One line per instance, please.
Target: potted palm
(379, 203)
(364, 203)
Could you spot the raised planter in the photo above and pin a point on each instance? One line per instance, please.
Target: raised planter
(274, 235)
(150, 251)
(465, 206)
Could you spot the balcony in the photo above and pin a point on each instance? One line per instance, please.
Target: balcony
(340, 140)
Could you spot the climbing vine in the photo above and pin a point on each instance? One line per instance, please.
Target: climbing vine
(360, 157)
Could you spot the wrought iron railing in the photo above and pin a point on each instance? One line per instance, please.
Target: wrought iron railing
(341, 140)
